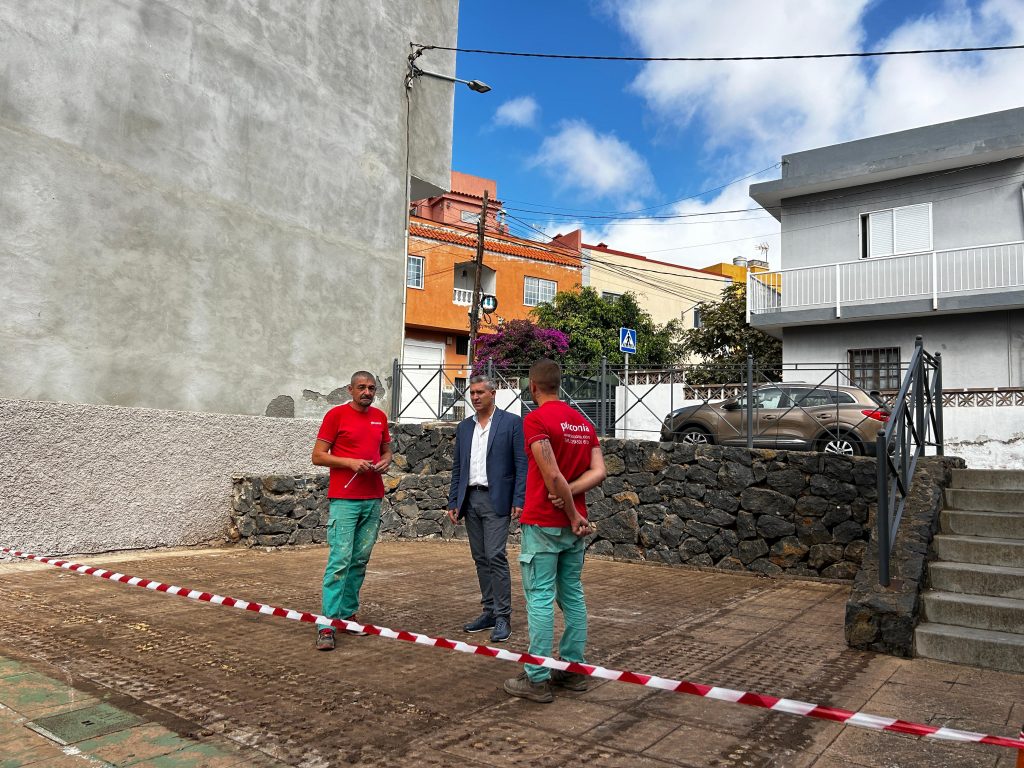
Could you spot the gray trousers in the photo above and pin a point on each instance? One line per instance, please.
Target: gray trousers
(488, 537)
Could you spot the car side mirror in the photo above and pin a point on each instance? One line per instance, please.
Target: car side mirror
(730, 405)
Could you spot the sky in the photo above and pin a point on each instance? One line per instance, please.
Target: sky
(571, 141)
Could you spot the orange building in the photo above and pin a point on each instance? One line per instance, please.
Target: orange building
(441, 271)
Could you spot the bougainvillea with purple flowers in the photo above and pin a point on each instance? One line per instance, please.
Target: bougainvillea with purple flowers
(519, 344)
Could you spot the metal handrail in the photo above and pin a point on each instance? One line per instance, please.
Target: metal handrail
(902, 442)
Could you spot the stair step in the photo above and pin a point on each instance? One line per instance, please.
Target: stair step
(974, 579)
(989, 479)
(985, 501)
(1000, 614)
(979, 549)
(966, 645)
(999, 525)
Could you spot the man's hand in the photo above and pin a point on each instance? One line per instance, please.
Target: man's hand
(360, 465)
(556, 501)
(382, 466)
(453, 515)
(516, 512)
(580, 526)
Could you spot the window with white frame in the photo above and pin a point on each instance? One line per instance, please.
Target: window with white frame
(907, 229)
(414, 272)
(696, 317)
(609, 296)
(538, 291)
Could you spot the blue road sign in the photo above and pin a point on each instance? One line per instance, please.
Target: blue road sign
(627, 340)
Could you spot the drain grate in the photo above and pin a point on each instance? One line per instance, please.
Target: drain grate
(81, 724)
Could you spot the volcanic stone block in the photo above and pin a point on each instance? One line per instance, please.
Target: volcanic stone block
(772, 527)
(822, 555)
(748, 551)
(767, 502)
(787, 552)
(735, 477)
(789, 481)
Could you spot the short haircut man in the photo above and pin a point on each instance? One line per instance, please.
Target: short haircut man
(487, 491)
(354, 443)
(564, 462)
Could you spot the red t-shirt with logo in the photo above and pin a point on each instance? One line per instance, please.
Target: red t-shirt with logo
(572, 439)
(355, 435)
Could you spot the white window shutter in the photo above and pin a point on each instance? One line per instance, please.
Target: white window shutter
(880, 234)
(912, 226)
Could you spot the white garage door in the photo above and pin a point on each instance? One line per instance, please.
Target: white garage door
(426, 405)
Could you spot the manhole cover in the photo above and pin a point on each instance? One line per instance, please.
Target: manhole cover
(81, 724)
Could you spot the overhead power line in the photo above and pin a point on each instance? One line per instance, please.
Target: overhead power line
(850, 55)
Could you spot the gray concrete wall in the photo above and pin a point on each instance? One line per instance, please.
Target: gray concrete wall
(88, 478)
(983, 349)
(977, 206)
(202, 206)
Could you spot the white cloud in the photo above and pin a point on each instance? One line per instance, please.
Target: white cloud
(751, 113)
(520, 112)
(594, 164)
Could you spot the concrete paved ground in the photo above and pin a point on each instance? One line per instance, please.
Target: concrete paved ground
(251, 690)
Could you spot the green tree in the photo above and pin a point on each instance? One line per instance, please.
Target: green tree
(724, 339)
(592, 325)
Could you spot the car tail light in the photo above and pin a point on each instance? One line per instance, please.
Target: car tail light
(877, 415)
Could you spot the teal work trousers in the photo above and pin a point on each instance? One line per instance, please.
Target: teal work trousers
(551, 562)
(351, 533)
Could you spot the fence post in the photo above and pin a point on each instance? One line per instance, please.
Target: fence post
(750, 402)
(602, 400)
(918, 394)
(396, 389)
(937, 405)
(882, 515)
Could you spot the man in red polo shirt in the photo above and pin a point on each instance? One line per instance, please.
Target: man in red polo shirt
(355, 444)
(564, 461)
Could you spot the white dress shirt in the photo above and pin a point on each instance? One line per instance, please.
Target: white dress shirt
(478, 451)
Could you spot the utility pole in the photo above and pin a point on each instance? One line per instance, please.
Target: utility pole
(474, 312)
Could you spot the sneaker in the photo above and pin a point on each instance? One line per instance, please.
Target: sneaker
(522, 687)
(571, 681)
(325, 640)
(484, 621)
(354, 632)
(502, 630)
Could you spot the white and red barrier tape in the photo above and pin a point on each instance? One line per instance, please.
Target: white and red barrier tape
(789, 706)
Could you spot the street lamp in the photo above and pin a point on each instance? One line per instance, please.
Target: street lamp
(474, 85)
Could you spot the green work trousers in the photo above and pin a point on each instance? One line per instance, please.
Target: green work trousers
(551, 561)
(351, 534)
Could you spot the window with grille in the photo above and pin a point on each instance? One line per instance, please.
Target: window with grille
(414, 272)
(875, 368)
(897, 230)
(538, 291)
(696, 317)
(462, 345)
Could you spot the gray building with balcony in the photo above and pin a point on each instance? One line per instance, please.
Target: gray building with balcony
(919, 232)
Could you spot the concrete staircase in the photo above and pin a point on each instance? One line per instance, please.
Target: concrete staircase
(974, 611)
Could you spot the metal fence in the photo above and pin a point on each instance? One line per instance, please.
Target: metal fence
(915, 425)
(640, 404)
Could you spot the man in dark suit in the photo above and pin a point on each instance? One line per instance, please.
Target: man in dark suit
(487, 491)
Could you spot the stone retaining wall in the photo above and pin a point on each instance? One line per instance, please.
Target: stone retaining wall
(765, 511)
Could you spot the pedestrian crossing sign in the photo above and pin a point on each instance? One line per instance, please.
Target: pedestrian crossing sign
(627, 340)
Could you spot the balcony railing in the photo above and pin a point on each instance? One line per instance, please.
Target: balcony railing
(935, 274)
(462, 296)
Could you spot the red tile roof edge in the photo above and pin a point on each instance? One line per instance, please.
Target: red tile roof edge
(506, 245)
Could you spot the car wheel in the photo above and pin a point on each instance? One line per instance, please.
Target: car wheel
(694, 436)
(844, 445)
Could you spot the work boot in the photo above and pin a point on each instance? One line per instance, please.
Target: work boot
(479, 624)
(502, 630)
(571, 681)
(522, 687)
(325, 639)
